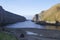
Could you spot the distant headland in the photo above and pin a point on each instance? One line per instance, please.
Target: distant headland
(49, 17)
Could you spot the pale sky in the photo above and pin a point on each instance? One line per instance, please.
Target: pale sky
(27, 8)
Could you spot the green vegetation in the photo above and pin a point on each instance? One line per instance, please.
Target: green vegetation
(5, 36)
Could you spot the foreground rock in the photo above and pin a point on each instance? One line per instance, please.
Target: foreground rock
(50, 16)
(9, 18)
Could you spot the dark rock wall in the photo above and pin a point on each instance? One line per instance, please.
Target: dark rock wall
(9, 18)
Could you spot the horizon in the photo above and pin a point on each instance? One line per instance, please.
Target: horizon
(27, 8)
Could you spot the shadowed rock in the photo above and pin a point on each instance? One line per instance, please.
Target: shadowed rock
(9, 18)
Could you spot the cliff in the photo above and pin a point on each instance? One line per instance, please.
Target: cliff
(9, 18)
(51, 15)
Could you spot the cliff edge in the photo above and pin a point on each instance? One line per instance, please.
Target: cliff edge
(9, 18)
(50, 16)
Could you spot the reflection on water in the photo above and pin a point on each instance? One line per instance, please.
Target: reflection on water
(29, 24)
(53, 27)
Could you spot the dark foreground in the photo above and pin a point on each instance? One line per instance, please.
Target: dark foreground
(34, 34)
(30, 31)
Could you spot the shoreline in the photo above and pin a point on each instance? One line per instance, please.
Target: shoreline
(45, 23)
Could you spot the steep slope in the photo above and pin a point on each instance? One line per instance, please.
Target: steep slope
(9, 18)
(51, 15)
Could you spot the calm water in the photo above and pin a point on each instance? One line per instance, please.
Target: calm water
(26, 24)
(29, 24)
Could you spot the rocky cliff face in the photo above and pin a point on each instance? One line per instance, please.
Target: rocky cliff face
(50, 15)
(9, 18)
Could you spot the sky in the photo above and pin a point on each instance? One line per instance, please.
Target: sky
(27, 8)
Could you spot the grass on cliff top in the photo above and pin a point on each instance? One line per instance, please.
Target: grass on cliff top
(52, 14)
(4, 36)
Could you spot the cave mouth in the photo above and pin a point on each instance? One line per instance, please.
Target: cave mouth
(22, 36)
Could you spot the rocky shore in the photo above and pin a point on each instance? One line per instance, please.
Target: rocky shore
(50, 24)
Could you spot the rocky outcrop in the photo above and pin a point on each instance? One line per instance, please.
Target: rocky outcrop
(51, 15)
(9, 18)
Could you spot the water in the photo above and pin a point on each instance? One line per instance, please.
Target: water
(26, 24)
(36, 33)
(30, 24)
